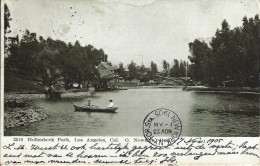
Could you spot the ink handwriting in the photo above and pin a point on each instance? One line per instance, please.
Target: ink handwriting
(124, 152)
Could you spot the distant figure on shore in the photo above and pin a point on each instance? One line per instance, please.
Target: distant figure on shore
(111, 104)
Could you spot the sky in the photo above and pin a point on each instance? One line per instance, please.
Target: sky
(138, 30)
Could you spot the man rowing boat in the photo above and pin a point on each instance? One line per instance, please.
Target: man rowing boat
(89, 101)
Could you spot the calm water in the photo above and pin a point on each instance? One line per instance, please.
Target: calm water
(202, 114)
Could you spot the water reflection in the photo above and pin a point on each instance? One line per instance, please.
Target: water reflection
(202, 114)
(224, 115)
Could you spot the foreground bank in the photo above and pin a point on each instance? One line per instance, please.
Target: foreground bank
(14, 117)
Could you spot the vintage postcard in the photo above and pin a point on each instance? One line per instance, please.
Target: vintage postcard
(130, 82)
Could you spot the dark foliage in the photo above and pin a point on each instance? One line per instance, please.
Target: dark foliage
(53, 60)
(231, 58)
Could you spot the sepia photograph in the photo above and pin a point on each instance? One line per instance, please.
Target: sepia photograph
(110, 67)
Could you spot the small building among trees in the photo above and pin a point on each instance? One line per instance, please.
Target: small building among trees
(109, 78)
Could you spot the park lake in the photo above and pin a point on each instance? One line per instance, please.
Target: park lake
(201, 113)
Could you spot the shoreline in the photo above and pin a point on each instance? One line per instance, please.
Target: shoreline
(204, 89)
(30, 96)
(27, 96)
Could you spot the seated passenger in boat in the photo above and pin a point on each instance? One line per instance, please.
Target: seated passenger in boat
(111, 104)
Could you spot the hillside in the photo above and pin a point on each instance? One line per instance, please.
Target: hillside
(14, 82)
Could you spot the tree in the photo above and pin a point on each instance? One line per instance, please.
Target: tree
(174, 71)
(153, 68)
(200, 57)
(144, 76)
(79, 65)
(182, 69)
(121, 70)
(7, 19)
(166, 67)
(232, 56)
(132, 70)
(121, 67)
(142, 69)
(50, 60)
(154, 71)
(23, 55)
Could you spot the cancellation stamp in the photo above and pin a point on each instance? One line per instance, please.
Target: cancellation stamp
(162, 127)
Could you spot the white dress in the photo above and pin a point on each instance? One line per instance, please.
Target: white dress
(111, 104)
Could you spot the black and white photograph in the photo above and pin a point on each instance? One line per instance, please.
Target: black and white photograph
(110, 67)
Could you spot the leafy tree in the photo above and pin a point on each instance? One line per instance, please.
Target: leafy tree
(232, 56)
(142, 69)
(174, 71)
(154, 69)
(166, 67)
(182, 69)
(7, 19)
(121, 67)
(50, 60)
(79, 65)
(23, 55)
(179, 69)
(200, 57)
(132, 70)
(144, 74)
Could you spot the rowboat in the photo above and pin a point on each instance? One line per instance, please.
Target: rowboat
(95, 109)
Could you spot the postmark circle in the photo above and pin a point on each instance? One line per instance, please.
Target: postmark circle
(162, 127)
